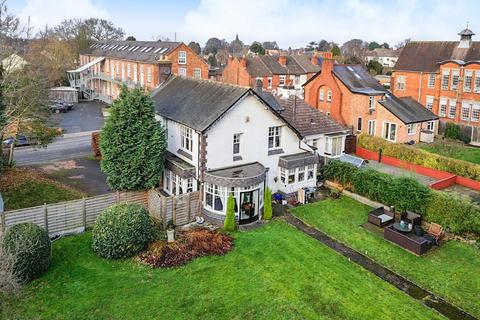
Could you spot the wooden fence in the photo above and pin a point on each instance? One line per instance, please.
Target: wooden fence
(77, 215)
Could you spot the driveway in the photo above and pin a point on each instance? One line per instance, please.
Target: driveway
(85, 116)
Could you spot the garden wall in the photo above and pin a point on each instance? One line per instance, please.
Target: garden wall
(433, 173)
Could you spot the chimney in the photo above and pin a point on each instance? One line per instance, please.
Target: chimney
(282, 60)
(243, 62)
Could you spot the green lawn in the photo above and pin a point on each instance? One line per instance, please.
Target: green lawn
(453, 149)
(23, 188)
(451, 271)
(274, 272)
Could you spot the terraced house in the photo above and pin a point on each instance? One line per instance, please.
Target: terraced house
(444, 76)
(276, 72)
(231, 140)
(108, 65)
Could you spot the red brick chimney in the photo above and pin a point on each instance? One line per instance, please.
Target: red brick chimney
(282, 60)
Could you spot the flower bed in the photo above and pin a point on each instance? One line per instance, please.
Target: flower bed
(192, 244)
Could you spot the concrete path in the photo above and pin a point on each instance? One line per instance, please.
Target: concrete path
(427, 298)
(69, 146)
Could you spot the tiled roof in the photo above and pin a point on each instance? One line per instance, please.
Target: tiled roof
(407, 109)
(358, 80)
(306, 119)
(141, 51)
(266, 66)
(426, 55)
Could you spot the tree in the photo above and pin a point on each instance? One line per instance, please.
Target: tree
(270, 45)
(402, 44)
(3, 117)
(311, 46)
(385, 45)
(213, 45)
(353, 60)
(131, 38)
(374, 67)
(373, 45)
(323, 45)
(355, 48)
(229, 223)
(212, 61)
(195, 46)
(257, 48)
(336, 51)
(132, 143)
(10, 26)
(267, 209)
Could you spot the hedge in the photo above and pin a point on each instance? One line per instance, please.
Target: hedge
(459, 214)
(421, 157)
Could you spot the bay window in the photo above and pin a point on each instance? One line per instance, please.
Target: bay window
(301, 174)
(297, 175)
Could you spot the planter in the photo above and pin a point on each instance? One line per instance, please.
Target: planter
(170, 235)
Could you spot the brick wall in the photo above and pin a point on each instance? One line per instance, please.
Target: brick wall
(193, 62)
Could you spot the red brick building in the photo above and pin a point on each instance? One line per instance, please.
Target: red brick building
(108, 65)
(351, 96)
(444, 76)
(275, 72)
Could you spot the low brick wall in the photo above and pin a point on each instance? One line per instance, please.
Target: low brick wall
(444, 183)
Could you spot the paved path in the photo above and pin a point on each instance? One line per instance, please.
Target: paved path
(69, 146)
(443, 307)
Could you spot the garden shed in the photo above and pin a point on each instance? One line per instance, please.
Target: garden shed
(67, 94)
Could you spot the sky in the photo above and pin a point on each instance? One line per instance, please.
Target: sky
(292, 23)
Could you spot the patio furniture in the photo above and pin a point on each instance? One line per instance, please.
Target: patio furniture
(408, 241)
(435, 233)
(412, 217)
(404, 228)
(380, 217)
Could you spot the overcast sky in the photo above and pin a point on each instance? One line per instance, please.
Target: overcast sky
(289, 22)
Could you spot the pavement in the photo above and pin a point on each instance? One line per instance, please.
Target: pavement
(85, 116)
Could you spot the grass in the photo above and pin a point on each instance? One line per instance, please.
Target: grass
(450, 271)
(274, 272)
(23, 188)
(453, 149)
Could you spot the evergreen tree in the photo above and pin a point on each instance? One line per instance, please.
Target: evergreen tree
(267, 205)
(229, 223)
(132, 143)
(336, 51)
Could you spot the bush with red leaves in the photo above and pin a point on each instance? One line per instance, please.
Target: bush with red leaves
(193, 243)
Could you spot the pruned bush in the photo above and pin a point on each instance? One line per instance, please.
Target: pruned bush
(122, 231)
(421, 157)
(267, 204)
(229, 223)
(31, 246)
(192, 244)
(452, 131)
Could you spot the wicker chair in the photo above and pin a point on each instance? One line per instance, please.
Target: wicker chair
(380, 217)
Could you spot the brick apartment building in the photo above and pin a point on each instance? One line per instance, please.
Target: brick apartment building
(276, 72)
(444, 76)
(351, 96)
(108, 65)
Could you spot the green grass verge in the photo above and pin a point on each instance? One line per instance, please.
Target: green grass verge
(453, 149)
(451, 271)
(274, 272)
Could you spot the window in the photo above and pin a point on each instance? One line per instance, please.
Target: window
(429, 103)
(297, 80)
(209, 195)
(274, 134)
(329, 96)
(282, 80)
(123, 71)
(431, 125)
(359, 124)
(283, 175)
(455, 79)
(182, 57)
(445, 79)
(301, 174)
(390, 131)
(135, 73)
(314, 143)
(310, 172)
(411, 128)
(291, 176)
(167, 180)
(467, 83)
(112, 71)
(197, 73)
(475, 113)
(182, 72)
(187, 138)
(322, 95)
(142, 76)
(269, 82)
(443, 107)
(401, 81)
(333, 146)
(236, 144)
(149, 74)
(466, 111)
(371, 103)
(453, 109)
(189, 185)
(477, 82)
(371, 127)
(129, 74)
(431, 80)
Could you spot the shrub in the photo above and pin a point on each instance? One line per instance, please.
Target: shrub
(267, 204)
(340, 172)
(421, 157)
(122, 231)
(229, 223)
(452, 131)
(459, 214)
(32, 249)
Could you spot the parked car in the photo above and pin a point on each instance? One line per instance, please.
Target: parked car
(58, 108)
(68, 105)
(20, 141)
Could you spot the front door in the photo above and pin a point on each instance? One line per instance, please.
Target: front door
(248, 206)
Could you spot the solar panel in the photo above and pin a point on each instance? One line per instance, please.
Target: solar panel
(143, 49)
(355, 161)
(157, 50)
(135, 49)
(164, 50)
(124, 48)
(148, 49)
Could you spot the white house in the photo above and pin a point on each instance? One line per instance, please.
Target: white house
(386, 57)
(225, 139)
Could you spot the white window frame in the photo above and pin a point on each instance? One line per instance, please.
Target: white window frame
(197, 73)
(269, 82)
(182, 57)
(429, 102)
(129, 72)
(283, 175)
(311, 172)
(401, 82)
(274, 135)
(149, 74)
(281, 81)
(467, 85)
(334, 146)
(475, 113)
(142, 75)
(442, 109)
(135, 76)
(476, 82)
(431, 126)
(237, 139)
(371, 103)
(186, 137)
(431, 80)
(411, 129)
(452, 107)
(329, 96)
(445, 79)
(182, 72)
(455, 79)
(322, 95)
(372, 124)
(387, 128)
(300, 172)
(465, 114)
(123, 71)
